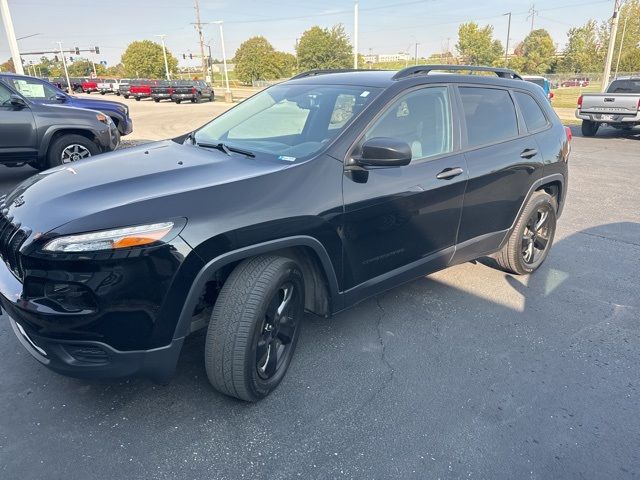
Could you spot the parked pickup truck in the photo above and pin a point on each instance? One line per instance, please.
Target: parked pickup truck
(123, 87)
(162, 91)
(90, 85)
(108, 85)
(193, 90)
(140, 89)
(618, 107)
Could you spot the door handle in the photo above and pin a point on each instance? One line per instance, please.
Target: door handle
(449, 173)
(529, 153)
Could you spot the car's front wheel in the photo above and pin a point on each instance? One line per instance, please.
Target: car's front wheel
(70, 148)
(530, 241)
(589, 128)
(254, 327)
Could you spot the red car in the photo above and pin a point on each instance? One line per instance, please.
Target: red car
(90, 85)
(141, 88)
(576, 82)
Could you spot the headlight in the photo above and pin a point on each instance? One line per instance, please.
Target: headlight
(110, 239)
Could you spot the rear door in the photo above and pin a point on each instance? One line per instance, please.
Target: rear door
(503, 162)
(18, 137)
(401, 222)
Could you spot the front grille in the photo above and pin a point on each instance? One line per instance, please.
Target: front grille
(11, 239)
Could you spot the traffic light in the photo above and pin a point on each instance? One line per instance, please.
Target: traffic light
(77, 51)
(56, 58)
(191, 56)
(71, 59)
(184, 57)
(97, 49)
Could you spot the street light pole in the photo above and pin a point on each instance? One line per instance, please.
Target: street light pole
(355, 35)
(66, 72)
(227, 94)
(624, 31)
(164, 53)
(612, 44)
(506, 50)
(415, 58)
(11, 37)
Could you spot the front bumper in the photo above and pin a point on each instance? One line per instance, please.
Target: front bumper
(108, 139)
(610, 118)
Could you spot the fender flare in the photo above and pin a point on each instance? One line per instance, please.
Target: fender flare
(51, 131)
(204, 275)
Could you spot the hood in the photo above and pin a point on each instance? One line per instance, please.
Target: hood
(130, 178)
(97, 104)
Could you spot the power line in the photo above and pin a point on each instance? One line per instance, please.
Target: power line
(532, 14)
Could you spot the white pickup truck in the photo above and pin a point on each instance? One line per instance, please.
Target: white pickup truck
(618, 107)
(108, 85)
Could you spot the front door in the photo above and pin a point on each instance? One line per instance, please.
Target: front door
(401, 222)
(18, 140)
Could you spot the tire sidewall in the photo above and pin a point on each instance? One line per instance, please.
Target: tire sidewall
(58, 145)
(532, 206)
(257, 386)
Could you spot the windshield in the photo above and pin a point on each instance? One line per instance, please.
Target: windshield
(289, 121)
(624, 86)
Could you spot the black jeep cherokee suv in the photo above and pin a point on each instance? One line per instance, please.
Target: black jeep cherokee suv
(310, 196)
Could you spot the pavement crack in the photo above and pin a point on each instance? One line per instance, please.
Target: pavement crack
(610, 238)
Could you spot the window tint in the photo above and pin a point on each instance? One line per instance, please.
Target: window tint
(5, 96)
(533, 116)
(34, 88)
(490, 115)
(624, 86)
(422, 119)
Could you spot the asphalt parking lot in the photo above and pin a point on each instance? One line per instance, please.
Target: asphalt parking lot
(467, 373)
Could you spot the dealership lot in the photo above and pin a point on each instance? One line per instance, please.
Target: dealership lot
(466, 373)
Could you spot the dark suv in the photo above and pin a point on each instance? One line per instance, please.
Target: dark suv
(192, 90)
(46, 135)
(312, 195)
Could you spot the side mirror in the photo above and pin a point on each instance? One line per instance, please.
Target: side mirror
(61, 97)
(17, 101)
(384, 152)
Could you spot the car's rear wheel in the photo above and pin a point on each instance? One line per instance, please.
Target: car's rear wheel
(137, 99)
(178, 101)
(589, 128)
(254, 327)
(70, 148)
(531, 239)
(126, 96)
(157, 100)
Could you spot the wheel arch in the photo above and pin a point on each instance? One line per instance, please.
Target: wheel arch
(321, 284)
(53, 134)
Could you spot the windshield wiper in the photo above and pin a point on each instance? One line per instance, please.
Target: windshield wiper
(226, 149)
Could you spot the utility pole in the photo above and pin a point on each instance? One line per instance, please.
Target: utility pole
(66, 72)
(11, 36)
(532, 13)
(612, 45)
(355, 35)
(624, 31)
(198, 25)
(164, 53)
(506, 49)
(415, 57)
(227, 94)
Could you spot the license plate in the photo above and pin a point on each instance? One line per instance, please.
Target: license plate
(606, 118)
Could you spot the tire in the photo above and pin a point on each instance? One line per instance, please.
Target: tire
(528, 246)
(177, 102)
(117, 94)
(244, 327)
(211, 97)
(86, 149)
(126, 97)
(157, 100)
(137, 99)
(589, 128)
(102, 93)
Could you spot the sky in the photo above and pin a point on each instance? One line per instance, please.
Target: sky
(386, 26)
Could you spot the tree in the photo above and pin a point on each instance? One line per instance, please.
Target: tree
(82, 67)
(477, 45)
(584, 51)
(630, 61)
(255, 60)
(538, 51)
(285, 64)
(629, 15)
(8, 66)
(145, 59)
(320, 48)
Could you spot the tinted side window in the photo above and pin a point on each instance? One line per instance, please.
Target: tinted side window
(5, 96)
(422, 119)
(489, 114)
(533, 116)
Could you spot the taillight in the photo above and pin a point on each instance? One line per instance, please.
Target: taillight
(193, 91)
(170, 90)
(569, 133)
(551, 95)
(580, 101)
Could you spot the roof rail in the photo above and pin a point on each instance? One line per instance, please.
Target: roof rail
(313, 73)
(426, 69)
